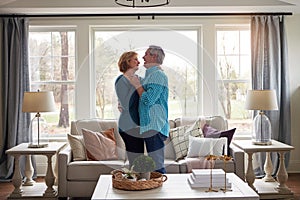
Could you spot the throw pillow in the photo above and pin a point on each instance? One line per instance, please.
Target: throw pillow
(99, 146)
(229, 135)
(180, 139)
(109, 133)
(77, 147)
(210, 132)
(201, 147)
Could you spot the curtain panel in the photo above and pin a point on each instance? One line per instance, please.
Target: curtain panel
(270, 71)
(14, 81)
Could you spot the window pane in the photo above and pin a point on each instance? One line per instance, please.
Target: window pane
(228, 42)
(48, 51)
(40, 43)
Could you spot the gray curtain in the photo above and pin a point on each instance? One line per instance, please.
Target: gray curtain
(270, 71)
(14, 76)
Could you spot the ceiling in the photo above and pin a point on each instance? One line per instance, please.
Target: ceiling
(175, 6)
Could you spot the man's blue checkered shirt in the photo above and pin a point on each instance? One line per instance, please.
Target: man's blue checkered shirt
(153, 104)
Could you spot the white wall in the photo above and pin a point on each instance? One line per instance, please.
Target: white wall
(293, 39)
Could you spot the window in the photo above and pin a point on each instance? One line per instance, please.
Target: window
(234, 74)
(52, 68)
(180, 65)
(207, 62)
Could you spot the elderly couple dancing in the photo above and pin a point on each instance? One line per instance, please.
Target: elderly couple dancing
(143, 105)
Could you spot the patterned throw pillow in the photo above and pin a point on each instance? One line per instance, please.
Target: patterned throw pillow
(180, 138)
(100, 146)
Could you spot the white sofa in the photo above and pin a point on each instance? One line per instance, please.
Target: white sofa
(79, 178)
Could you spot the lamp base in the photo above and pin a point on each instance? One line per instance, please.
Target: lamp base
(261, 143)
(37, 145)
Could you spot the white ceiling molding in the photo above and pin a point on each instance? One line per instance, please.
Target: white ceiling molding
(175, 6)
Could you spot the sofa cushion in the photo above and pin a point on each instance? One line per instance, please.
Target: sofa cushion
(180, 139)
(77, 146)
(100, 145)
(172, 167)
(91, 170)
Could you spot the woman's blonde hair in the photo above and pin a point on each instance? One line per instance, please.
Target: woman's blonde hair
(124, 60)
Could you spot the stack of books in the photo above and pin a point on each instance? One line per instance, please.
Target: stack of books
(201, 178)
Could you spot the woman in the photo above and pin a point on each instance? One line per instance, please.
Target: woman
(128, 99)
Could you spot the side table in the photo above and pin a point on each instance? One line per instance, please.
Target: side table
(33, 192)
(267, 187)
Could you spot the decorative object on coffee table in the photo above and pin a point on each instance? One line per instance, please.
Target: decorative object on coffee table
(225, 159)
(211, 159)
(144, 165)
(119, 182)
(130, 174)
(139, 180)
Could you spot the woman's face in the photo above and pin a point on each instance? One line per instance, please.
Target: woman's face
(134, 62)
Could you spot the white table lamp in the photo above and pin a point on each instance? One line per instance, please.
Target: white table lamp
(261, 100)
(38, 102)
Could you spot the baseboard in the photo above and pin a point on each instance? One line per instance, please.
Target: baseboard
(294, 166)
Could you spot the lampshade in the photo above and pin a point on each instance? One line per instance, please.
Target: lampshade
(38, 102)
(261, 100)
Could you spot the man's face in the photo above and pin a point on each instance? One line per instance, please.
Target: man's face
(149, 60)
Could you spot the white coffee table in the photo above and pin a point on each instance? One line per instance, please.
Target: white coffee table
(176, 187)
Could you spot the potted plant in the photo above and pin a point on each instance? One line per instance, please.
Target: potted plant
(129, 174)
(144, 165)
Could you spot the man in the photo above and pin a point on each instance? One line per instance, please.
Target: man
(153, 105)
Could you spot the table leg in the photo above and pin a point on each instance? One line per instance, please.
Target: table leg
(282, 176)
(17, 179)
(49, 179)
(268, 167)
(56, 170)
(28, 172)
(250, 177)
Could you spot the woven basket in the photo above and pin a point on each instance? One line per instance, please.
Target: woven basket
(119, 182)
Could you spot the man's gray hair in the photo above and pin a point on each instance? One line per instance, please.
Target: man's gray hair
(159, 52)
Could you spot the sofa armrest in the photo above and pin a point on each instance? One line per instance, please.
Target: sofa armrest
(239, 160)
(64, 158)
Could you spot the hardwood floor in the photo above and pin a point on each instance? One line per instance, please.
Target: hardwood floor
(293, 183)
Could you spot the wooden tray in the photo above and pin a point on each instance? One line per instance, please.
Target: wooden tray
(119, 182)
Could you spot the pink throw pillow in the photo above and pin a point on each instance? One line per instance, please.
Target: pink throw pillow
(99, 146)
